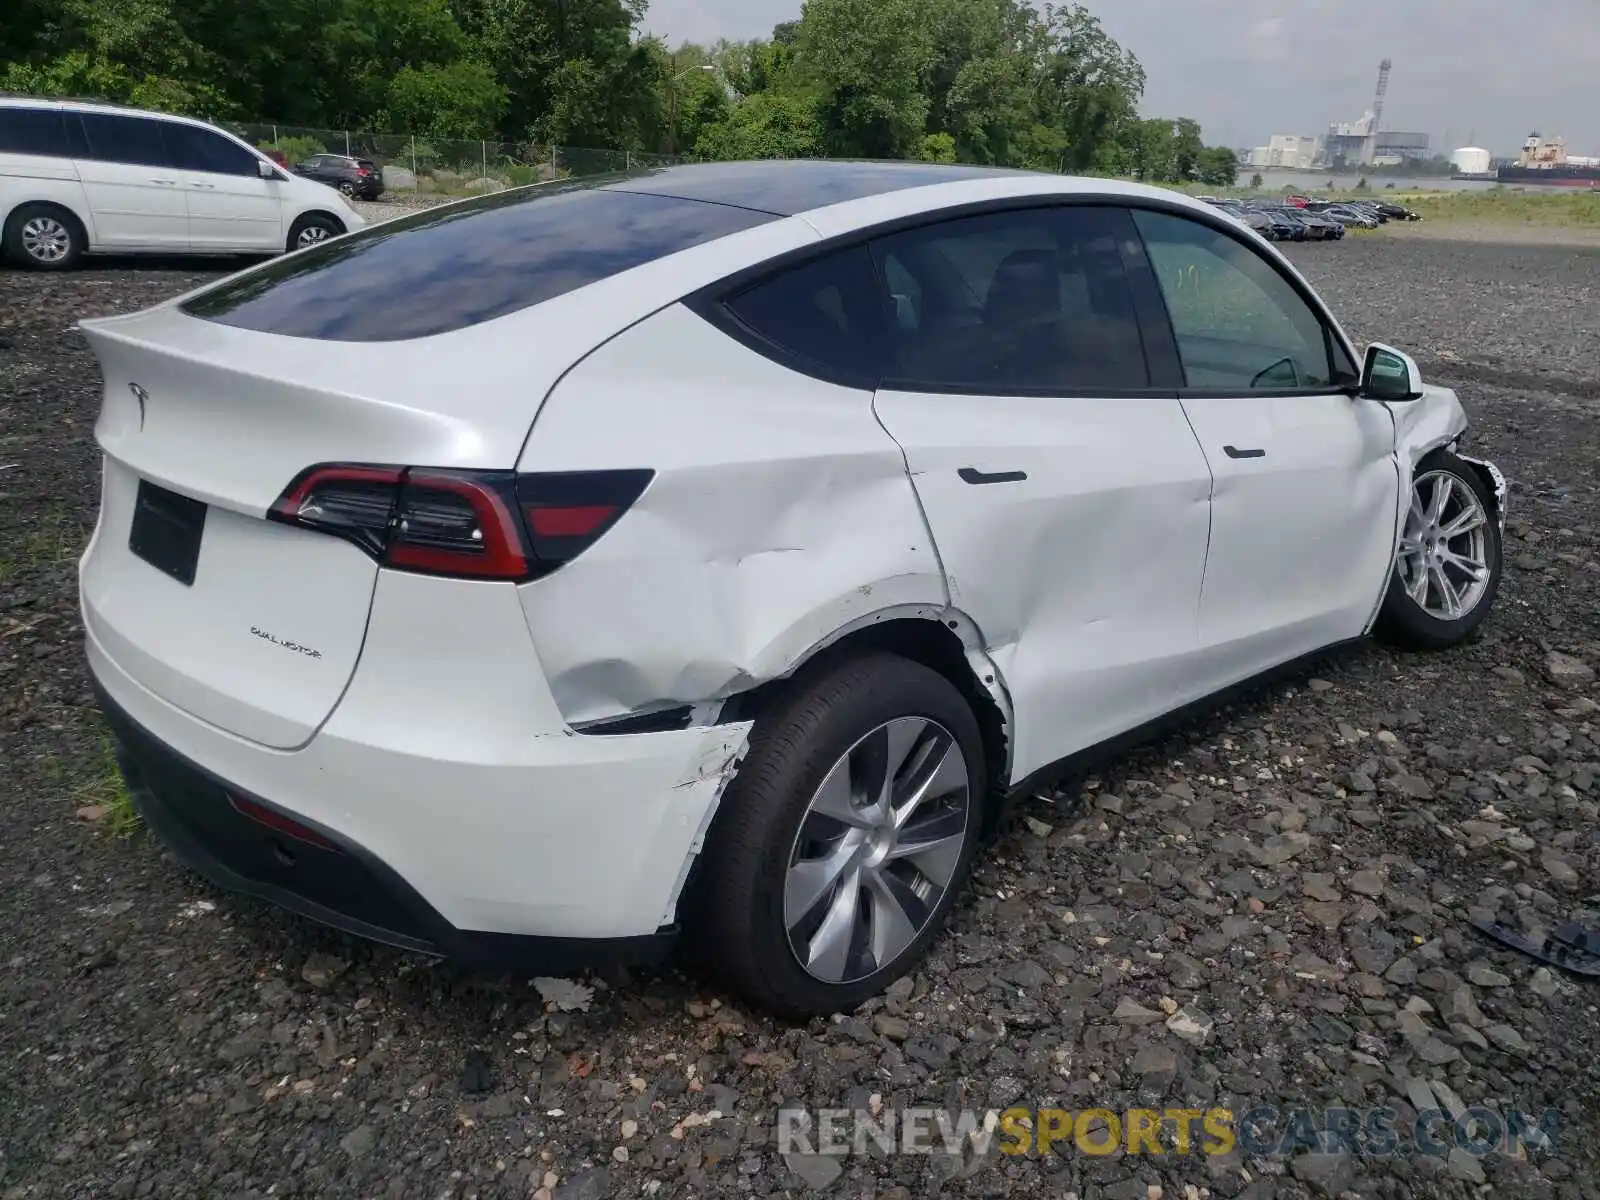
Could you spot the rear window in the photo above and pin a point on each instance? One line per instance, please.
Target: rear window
(448, 268)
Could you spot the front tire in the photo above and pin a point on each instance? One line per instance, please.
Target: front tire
(312, 229)
(844, 840)
(43, 237)
(1448, 565)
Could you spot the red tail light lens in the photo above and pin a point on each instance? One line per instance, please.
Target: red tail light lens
(457, 525)
(477, 524)
(566, 512)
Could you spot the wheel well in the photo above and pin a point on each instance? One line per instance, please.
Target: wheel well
(77, 223)
(932, 644)
(317, 212)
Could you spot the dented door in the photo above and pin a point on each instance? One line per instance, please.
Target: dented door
(1073, 533)
(1066, 494)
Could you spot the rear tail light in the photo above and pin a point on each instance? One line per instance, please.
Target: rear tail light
(478, 524)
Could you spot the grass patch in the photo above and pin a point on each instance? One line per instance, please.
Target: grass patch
(1506, 206)
(55, 539)
(107, 790)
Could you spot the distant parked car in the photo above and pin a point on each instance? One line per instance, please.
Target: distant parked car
(78, 178)
(1284, 227)
(1319, 227)
(1245, 216)
(358, 178)
(1398, 212)
(1351, 217)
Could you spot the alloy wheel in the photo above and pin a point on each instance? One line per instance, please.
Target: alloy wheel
(1443, 556)
(45, 239)
(877, 849)
(312, 234)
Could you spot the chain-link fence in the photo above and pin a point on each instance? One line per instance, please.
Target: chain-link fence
(445, 166)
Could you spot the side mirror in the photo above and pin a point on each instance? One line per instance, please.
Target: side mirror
(1390, 375)
(266, 170)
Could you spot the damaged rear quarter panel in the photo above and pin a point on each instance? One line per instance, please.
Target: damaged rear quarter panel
(780, 513)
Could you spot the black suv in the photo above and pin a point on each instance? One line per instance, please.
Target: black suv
(359, 178)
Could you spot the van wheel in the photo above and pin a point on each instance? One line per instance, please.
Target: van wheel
(312, 229)
(843, 841)
(43, 237)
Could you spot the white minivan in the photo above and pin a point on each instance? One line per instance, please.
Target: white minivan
(78, 178)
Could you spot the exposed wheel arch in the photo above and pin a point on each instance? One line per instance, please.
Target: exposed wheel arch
(935, 644)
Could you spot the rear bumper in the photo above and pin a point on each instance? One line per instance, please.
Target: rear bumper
(332, 879)
(445, 834)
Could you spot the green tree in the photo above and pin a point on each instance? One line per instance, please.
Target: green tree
(938, 148)
(1089, 89)
(1219, 166)
(135, 52)
(867, 59)
(541, 50)
(766, 125)
(461, 99)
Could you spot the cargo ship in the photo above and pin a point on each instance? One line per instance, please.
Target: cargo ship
(1547, 164)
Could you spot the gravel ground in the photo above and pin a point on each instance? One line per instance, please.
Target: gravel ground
(1269, 908)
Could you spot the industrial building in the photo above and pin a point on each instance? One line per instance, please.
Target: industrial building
(1364, 141)
(1472, 162)
(1290, 151)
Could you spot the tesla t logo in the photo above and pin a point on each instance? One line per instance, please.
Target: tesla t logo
(141, 396)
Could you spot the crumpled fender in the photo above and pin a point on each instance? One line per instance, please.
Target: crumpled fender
(1435, 421)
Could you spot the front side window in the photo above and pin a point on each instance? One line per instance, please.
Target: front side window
(119, 139)
(33, 131)
(1240, 325)
(827, 312)
(1034, 300)
(196, 149)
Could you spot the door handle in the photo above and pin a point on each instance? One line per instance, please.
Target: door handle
(973, 475)
(209, 187)
(1235, 452)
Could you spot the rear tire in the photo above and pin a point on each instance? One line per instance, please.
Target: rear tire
(43, 237)
(1436, 597)
(311, 229)
(782, 877)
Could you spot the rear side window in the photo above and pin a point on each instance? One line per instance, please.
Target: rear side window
(196, 149)
(33, 131)
(447, 268)
(120, 139)
(1029, 301)
(827, 313)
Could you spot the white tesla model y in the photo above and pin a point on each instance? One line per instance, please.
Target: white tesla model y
(713, 549)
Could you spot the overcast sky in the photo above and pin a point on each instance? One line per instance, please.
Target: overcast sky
(1490, 70)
